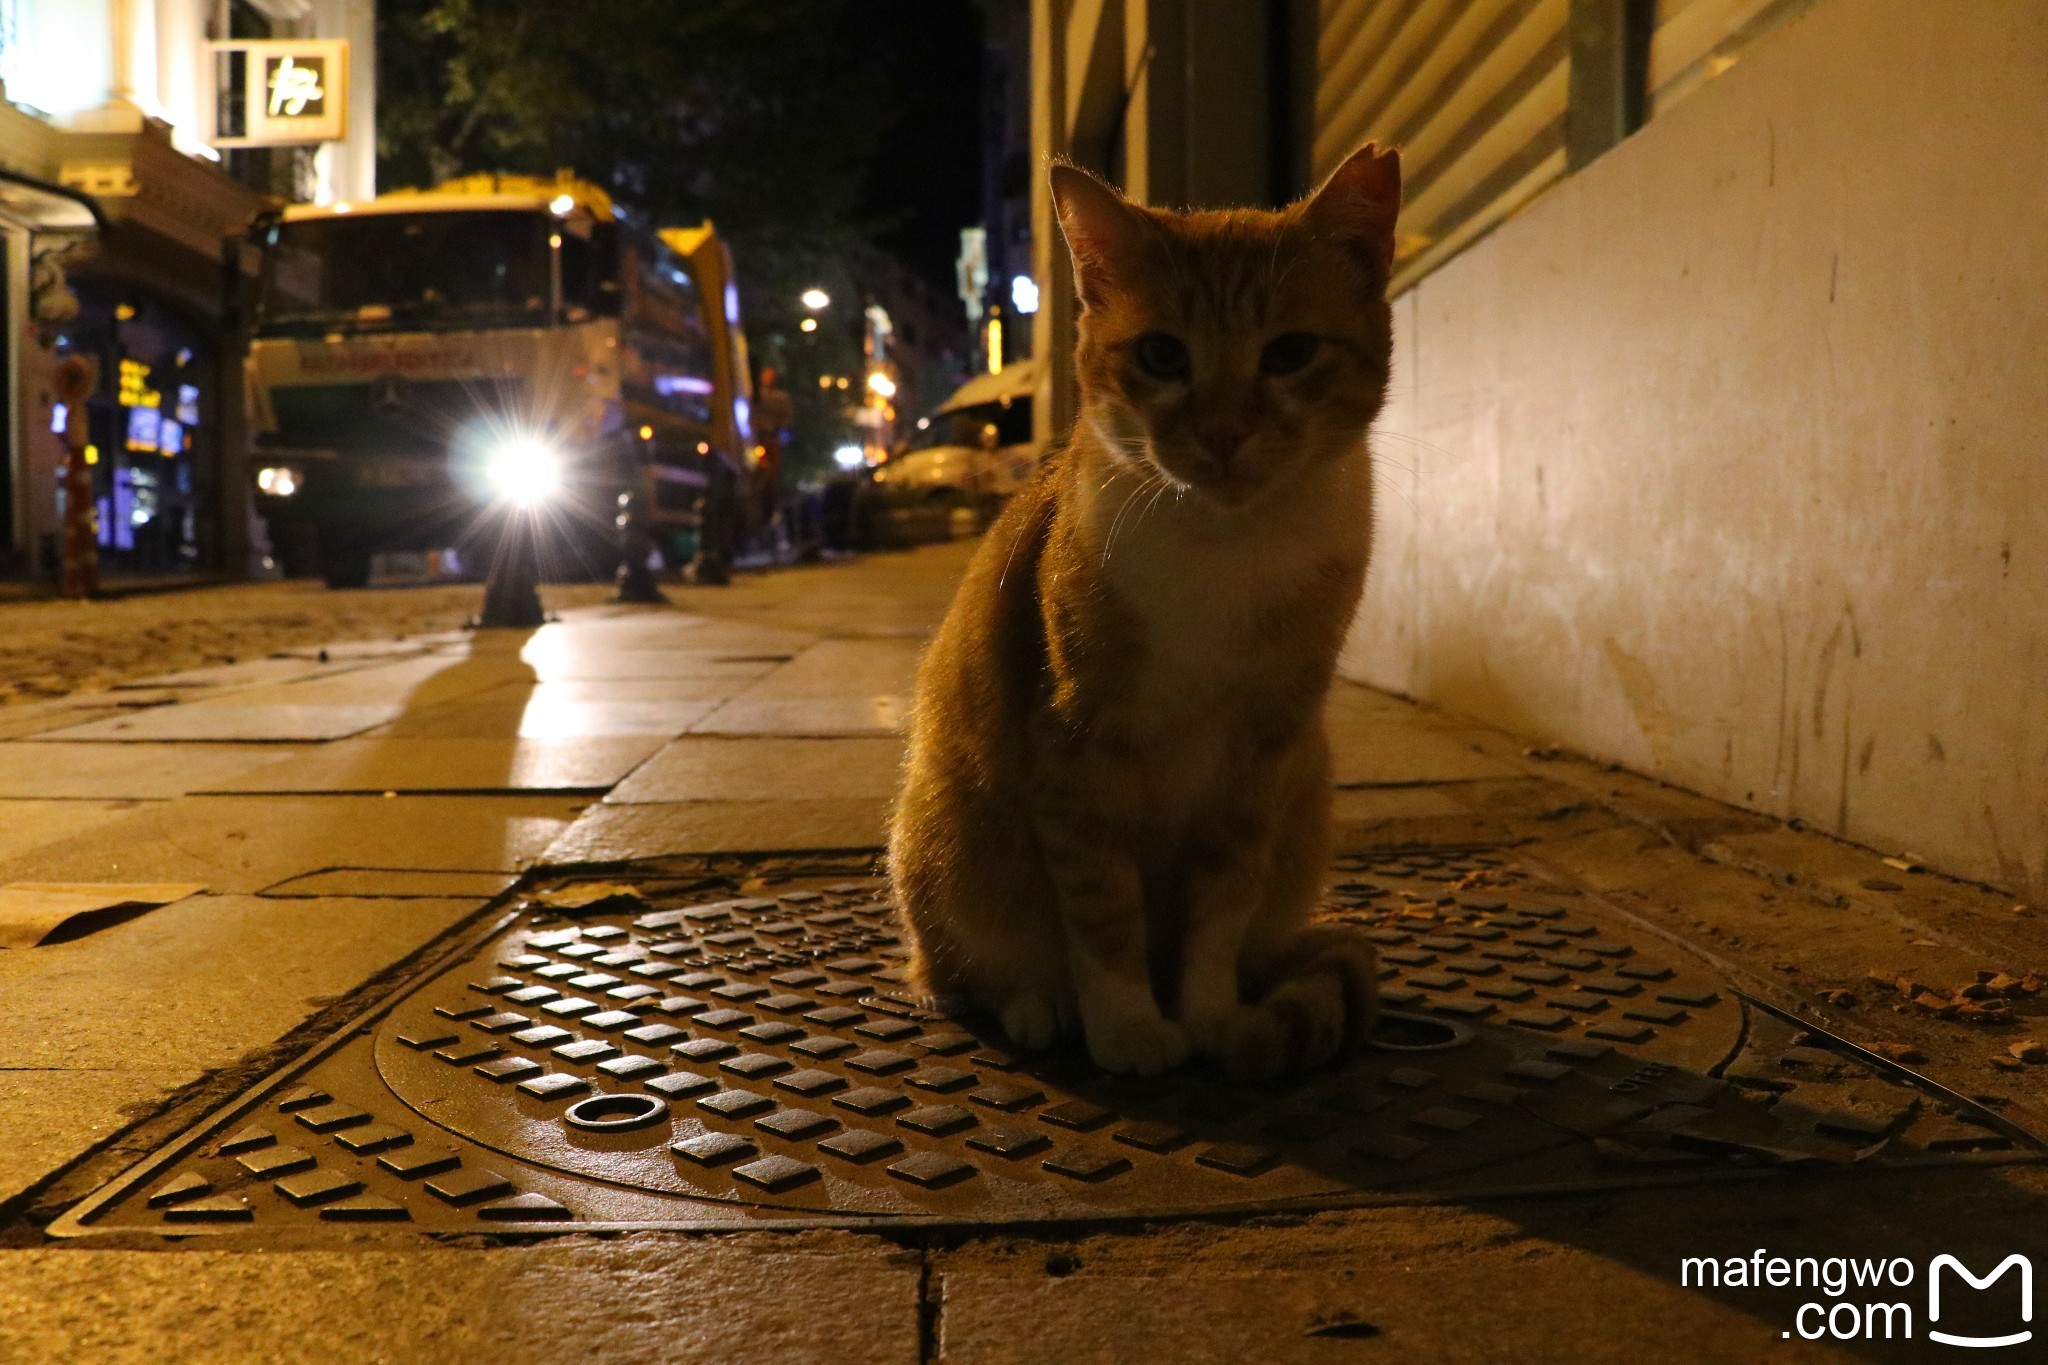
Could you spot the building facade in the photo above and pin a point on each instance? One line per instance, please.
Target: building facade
(124, 138)
(1713, 442)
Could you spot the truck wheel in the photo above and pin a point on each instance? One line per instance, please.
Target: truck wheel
(344, 564)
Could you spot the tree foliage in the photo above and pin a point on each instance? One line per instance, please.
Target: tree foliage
(762, 115)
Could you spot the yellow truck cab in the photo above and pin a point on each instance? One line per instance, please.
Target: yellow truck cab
(425, 362)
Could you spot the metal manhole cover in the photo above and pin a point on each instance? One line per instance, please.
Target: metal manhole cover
(682, 1057)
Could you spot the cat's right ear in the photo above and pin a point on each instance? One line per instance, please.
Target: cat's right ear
(1103, 229)
(1358, 205)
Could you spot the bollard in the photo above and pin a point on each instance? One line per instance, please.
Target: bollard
(75, 379)
(512, 591)
(636, 545)
(718, 523)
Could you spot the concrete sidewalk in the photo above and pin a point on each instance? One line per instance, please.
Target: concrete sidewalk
(348, 810)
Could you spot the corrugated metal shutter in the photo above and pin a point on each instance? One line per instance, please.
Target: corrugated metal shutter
(1472, 91)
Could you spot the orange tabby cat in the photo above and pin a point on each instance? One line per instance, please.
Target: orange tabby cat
(1115, 815)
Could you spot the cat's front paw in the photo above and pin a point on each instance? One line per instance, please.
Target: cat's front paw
(1302, 1024)
(1137, 1044)
(1031, 1022)
(1211, 1025)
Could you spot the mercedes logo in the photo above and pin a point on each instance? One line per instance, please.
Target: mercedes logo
(387, 392)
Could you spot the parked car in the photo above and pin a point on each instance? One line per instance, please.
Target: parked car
(963, 460)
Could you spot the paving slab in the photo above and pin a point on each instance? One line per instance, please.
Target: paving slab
(843, 668)
(644, 1299)
(896, 593)
(270, 723)
(709, 649)
(661, 631)
(679, 689)
(1378, 740)
(26, 826)
(402, 883)
(245, 843)
(653, 664)
(1020, 1320)
(36, 913)
(616, 833)
(1535, 1304)
(244, 673)
(101, 1025)
(24, 719)
(703, 768)
(48, 1116)
(547, 716)
(592, 763)
(822, 717)
(401, 647)
(412, 683)
(198, 983)
(544, 713)
(133, 772)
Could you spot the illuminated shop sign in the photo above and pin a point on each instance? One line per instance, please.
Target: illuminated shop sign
(280, 91)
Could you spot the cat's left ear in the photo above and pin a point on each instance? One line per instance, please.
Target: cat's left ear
(1104, 230)
(1358, 204)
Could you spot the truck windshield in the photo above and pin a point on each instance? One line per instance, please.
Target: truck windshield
(412, 271)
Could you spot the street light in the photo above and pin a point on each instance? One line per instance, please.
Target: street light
(808, 325)
(882, 384)
(816, 299)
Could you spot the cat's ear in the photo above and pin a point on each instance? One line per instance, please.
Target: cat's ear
(1104, 230)
(1358, 204)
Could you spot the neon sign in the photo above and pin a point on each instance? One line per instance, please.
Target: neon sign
(295, 86)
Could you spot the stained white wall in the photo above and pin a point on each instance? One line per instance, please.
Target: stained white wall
(1728, 459)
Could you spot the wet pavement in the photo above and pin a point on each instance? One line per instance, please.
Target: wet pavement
(364, 818)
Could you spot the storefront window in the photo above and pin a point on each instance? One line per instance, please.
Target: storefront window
(155, 454)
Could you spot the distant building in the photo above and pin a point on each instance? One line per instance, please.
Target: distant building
(138, 138)
(917, 339)
(997, 254)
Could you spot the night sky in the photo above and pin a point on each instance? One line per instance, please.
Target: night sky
(926, 181)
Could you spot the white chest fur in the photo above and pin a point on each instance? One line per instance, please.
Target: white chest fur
(1204, 587)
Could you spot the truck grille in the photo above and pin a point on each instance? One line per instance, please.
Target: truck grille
(388, 416)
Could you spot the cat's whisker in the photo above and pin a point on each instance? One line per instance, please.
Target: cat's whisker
(1404, 437)
(1382, 482)
(1123, 510)
(1385, 463)
(1130, 501)
(1160, 492)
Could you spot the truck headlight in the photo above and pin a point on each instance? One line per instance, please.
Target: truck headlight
(523, 471)
(279, 481)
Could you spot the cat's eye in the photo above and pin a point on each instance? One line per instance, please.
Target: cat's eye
(1287, 353)
(1162, 356)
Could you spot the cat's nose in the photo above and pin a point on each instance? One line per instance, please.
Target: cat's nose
(1223, 440)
